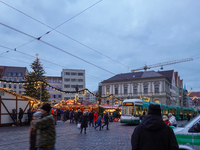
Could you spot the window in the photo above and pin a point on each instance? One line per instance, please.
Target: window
(67, 73)
(59, 96)
(145, 89)
(15, 86)
(135, 89)
(4, 86)
(10, 86)
(80, 80)
(60, 87)
(59, 81)
(20, 86)
(4, 78)
(80, 86)
(19, 74)
(15, 79)
(14, 74)
(54, 81)
(156, 88)
(116, 90)
(9, 74)
(73, 73)
(49, 81)
(66, 98)
(54, 96)
(73, 86)
(107, 91)
(73, 80)
(9, 79)
(125, 90)
(67, 86)
(67, 80)
(80, 74)
(20, 79)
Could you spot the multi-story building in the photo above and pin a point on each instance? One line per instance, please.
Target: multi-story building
(16, 74)
(56, 82)
(90, 98)
(150, 85)
(72, 78)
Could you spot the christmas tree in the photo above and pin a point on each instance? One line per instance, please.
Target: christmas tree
(36, 82)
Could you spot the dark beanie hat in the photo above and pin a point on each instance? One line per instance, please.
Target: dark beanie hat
(154, 110)
(46, 107)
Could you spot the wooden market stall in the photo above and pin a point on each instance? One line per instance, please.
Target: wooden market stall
(76, 105)
(10, 100)
(108, 107)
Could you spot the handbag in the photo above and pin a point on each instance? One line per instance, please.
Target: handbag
(79, 126)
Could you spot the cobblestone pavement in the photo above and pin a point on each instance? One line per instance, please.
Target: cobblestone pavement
(69, 137)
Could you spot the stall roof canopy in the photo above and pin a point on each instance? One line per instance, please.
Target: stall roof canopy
(109, 106)
(28, 98)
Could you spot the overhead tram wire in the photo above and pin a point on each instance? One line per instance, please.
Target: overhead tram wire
(60, 50)
(54, 29)
(41, 59)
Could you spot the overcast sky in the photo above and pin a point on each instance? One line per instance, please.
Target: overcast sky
(104, 38)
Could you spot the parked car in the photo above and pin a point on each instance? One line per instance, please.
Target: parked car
(188, 137)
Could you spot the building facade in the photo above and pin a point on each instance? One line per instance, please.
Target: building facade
(148, 85)
(55, 96)
(70, 79)
(15, 74)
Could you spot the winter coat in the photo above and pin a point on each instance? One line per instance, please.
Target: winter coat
(106, 118)
(95, 116)
(46, 133)
(167, 122)
(84, 121)
(21, 113)
(142, 116)
(153, 134)
(14, 115)
(91, 116)
(99, 121)
(172, 120)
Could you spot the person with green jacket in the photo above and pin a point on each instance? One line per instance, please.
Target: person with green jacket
(45, 126)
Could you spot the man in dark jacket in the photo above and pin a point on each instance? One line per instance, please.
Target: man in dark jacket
(153, 133)
(91, 118)
(21, 113)
(106, 120)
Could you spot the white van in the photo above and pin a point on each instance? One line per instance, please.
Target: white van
(187, 137)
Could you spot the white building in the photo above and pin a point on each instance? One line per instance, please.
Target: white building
(70, 79)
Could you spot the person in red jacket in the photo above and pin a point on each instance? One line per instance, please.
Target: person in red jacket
(96, 117)
(166, 120)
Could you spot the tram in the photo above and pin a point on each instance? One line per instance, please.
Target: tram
(132, 109)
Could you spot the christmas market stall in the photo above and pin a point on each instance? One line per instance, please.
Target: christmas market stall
(76, 105)
(9, 100)
(110, 108)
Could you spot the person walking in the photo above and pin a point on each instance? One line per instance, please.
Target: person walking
(21, 113)
(166, 120)
(76, 117)
(106, 118)
(14, 117)
(96, 117)
(45, 125)
(98, 123)
(172, 120)
(153, 134)
(142, 116)
(91, 119)
(84, 122)
(55, 116)
(71, 114)
(33, 131)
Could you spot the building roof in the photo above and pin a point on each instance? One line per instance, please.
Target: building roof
(140, 75)
(197, 94)
(7, 69)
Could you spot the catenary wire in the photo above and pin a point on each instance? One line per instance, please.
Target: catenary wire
(63, 33)
(41, 59)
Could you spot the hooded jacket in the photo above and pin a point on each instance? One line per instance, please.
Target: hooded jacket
(153, 134)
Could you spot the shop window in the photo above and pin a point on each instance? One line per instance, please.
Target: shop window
(145, 89)
(125, 90)
(156, 88)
